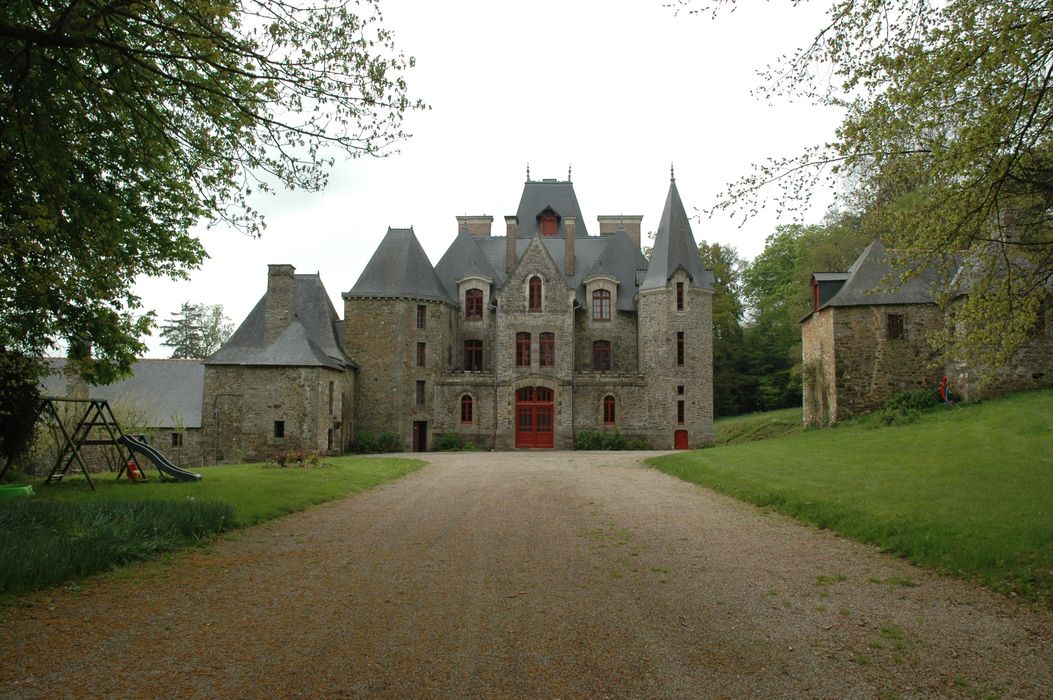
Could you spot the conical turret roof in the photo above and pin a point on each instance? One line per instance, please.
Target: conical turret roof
(675, 247)
(399, 268)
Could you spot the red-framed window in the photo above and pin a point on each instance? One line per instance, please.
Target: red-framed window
(534, 294)
(522, 349)
(679, 296)
(473, 304)
(473, 356)
(680, 412)
(608, 410)
(601, 305)
(534, 393)
(601, 356)
(466, 409)
(422, 316)
(679, 348)
(546, 350)
(549, 225)
(422, 354)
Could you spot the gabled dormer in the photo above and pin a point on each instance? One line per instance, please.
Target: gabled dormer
(545, 207)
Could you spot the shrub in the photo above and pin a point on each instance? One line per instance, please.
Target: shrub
(607, 440)
(454, 442)
(904, 407)
(297, 458)
(368, 443)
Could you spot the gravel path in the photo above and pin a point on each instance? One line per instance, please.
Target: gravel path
(528, 575)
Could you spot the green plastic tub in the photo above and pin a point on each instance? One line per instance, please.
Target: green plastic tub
(15, 490)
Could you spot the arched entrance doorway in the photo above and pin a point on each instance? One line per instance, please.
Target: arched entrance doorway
(535, 409)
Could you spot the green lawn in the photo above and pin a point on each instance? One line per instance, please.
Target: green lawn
(967, 491)
(67, 531)
(757, 426)
(257, 492)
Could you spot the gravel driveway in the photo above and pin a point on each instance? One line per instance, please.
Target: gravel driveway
(553, 575)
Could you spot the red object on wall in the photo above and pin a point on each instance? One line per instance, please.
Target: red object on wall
(680, 440)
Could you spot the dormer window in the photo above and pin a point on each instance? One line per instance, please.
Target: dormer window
(534, 294)
(549, 225)
(473, 304)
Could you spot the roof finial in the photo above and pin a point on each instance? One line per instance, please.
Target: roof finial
(568, 172)
(528, 172)
(672, 177)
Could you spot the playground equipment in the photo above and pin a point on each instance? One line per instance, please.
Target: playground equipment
(97, 425)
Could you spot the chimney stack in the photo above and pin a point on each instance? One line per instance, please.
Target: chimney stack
(476, 225)
(511, 231)
(278, 307)
(609, 225)
(570, 223)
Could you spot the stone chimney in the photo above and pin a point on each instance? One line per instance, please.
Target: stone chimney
(570, 223)
(476, 225)
(278, 307)
(609, 225)
(511, 231)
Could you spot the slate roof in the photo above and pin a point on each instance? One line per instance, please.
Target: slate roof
(399, 268)
(873, 280)
(541, 194)
(312, 338)
(622, 259)
(160, 389)
(464, 258)
(675, 247)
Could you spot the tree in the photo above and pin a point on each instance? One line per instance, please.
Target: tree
(945, 148)
(197, 330)
(19, 400)
(730, 387)
(124, 124)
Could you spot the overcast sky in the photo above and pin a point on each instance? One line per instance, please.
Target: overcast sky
(617, 89)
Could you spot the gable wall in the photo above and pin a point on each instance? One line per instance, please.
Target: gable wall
(817, 354)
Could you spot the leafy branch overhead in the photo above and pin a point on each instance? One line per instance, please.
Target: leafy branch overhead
(945, 148)
(124, 124)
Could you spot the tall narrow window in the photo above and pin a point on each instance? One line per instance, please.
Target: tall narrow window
(680, 412)
(534, 294)
(279, 428)
(601, 356)
(422, 316)
(473, 304)
(896, 327)
(421, 354)
(546, 350)
(466, 409)
(329, 439)
(177, 439)
(330, 398)
(420, 392)
(601, 305)
(549, 225)
(473, 356)
(608, 410)
(679, 296)
(679, 348)
(522, 349)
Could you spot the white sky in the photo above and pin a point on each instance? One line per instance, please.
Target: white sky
(618, 89)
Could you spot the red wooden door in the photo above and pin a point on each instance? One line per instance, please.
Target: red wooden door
(535, 409)
(680, 440)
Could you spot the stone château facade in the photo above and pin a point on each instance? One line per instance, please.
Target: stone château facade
(521, 340)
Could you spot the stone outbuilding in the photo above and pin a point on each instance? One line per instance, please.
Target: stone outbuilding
(868, 337)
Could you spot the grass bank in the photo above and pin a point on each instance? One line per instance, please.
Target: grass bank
(68, 531)
(749, 427)
(967, 491)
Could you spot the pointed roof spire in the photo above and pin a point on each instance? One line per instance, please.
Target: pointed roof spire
(672, 175)
(568, 172)
(675, 247)
(528, 172)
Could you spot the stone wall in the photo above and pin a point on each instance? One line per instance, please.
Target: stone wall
(241, 404)
(869, 368)
(381, 337)
(659, 322)
(1031, 367)
(817, 356)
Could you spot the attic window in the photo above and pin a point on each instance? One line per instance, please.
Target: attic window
(897, 329)
(549, 225)
(534, 294)
(473, 304)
